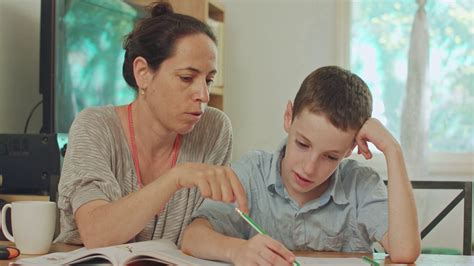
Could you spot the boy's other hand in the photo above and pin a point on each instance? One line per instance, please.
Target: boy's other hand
(373, 131)
(262, 250)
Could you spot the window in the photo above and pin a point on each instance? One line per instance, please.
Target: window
(379, 42)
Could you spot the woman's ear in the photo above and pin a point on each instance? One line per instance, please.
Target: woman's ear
(141, 73)
(288, 116)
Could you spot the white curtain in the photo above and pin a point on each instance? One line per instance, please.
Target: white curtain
(415, 112)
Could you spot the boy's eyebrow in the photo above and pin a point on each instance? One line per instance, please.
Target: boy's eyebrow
(301, 135)
(334, 151)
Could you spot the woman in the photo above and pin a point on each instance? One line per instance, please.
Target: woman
(137, 172)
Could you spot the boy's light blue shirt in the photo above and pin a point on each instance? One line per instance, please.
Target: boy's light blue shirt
(348, 217)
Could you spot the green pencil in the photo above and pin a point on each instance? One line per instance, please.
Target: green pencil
(257, 228)
(371, 261)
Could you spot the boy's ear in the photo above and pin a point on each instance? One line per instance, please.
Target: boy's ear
(141, 72)
(288, 117)
(349, 152)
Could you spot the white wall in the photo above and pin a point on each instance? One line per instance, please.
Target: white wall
(270, 47)
(19, 59)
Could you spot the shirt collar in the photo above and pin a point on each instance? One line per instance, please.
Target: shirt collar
(275, 185)
(336, 189)
(273, 182)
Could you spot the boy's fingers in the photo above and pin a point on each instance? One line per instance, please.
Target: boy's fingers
(367, 155)
(273, 258)
(281, 250)
(363, 148)
(261, 261)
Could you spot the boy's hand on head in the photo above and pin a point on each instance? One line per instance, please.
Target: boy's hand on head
(218, 183)
(262, 250)
(373, 131)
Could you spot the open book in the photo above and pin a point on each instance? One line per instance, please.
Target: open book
(161, 252)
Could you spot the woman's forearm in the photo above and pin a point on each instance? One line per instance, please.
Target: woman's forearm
(103, 223)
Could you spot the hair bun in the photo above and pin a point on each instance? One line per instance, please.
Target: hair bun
(161, 8)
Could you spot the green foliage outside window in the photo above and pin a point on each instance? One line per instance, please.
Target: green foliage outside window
(380, 38)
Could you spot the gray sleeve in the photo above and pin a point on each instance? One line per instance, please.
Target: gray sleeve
(372, 203)
(223, 218)
(87, 169)
(219, 138)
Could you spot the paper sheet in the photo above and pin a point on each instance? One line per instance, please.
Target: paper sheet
(308, 261)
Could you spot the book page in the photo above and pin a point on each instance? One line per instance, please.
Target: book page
(310, 261)
(114, 254)
(63, 258)
(175, 256)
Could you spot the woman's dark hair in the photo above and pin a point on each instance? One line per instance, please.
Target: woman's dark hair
(154, 38)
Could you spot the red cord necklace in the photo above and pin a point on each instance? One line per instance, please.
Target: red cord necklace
(174, 153)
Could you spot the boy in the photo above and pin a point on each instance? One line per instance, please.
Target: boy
(305, 196)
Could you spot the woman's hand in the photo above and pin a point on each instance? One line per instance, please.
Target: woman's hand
(262, 250)
(218, 183)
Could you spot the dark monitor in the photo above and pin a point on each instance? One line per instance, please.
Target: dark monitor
(81, 57)
(29, 164)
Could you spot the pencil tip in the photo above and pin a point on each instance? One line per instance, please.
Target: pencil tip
(237, 210)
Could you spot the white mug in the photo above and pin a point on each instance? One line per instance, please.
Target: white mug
(33, 224)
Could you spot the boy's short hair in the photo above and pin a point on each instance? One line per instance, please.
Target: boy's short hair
(343, 97)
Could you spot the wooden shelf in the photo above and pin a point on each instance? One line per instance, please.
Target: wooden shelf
(15, 197)
(217, 91)
(216, 10)
(216, 101)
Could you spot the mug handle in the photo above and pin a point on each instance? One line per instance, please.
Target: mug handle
(4, 222)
